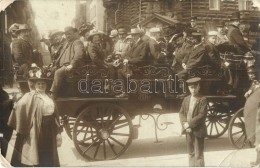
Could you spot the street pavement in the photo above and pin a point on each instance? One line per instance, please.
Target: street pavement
(170, 151)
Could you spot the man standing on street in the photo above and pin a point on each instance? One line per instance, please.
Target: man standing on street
(192, 116)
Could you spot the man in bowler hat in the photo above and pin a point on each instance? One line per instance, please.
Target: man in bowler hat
(192, 116)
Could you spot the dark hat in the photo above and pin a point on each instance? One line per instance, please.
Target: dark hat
(37, 73)
(235, 16)
(193, 18)
(221, 24)
(69, 28)
(193, 81)
(85, 27)
(23, 27)
(122, 31)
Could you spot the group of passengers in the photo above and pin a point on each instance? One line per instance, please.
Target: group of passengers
(186, 49)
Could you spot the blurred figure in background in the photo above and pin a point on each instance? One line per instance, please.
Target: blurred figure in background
(222, 34)
(6, 106)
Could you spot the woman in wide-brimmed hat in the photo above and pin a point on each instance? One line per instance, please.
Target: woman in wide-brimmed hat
(37, 125)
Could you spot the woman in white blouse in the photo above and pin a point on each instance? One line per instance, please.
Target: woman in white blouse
(37, 125)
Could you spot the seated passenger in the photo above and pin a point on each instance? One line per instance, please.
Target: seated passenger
(71, 57)
(212, 52)
(56, 43)
(197, 57)
(97, 54)
(122, 46)
(221, 34)
(139, 55)
(181, 52)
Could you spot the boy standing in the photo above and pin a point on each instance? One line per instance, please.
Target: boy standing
(192, 116)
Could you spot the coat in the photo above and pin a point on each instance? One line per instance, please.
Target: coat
(139, 54)
(197, 57)
(26, 119)
(197, 123)
(22, 52)
(72, 53)
(236, 39)
(213, 55)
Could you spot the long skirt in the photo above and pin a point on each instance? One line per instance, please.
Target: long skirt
(48, 153)
(250, 111)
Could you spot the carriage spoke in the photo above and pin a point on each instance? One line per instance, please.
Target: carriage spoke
(81, 130)
(94, 136)
(237, 133)
(117, 141)
(104, 148)
(216, 128)
(239, 138)
(109, 143)
(220, 124)
(207, 124)
(211, 128)
(121, 126)
(96, 151)
(94, 141)
(121, 134)
(114, 122)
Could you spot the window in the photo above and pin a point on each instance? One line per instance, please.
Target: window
(214, 5)
(244, 4)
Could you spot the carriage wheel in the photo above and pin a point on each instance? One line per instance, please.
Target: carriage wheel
(236, 130)
(68, 123)
(102, 131)
(216, 122)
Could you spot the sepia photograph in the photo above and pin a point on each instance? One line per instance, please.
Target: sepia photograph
(130, 83)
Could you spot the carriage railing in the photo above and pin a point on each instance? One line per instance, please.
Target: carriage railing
(206, 73)
(238, 61)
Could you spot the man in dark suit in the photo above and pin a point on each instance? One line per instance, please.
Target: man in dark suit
(197, 56)
(235, 36)
(192, 116)
(6, 105)
(138, 55)
(22, 50)
(71, 57)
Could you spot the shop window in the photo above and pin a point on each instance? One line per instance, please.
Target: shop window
(214, 5)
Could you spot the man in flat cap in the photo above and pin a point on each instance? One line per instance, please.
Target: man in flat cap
(71, 57)
(192, 116)
(235, 36)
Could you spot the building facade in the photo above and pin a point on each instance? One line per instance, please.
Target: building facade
(208, 12)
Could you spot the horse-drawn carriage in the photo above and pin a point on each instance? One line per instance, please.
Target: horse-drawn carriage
(100, 124)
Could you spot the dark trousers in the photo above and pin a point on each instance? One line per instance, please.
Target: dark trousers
(7, 134)
(196, 150)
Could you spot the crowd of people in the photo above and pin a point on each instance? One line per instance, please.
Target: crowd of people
(183, 48)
